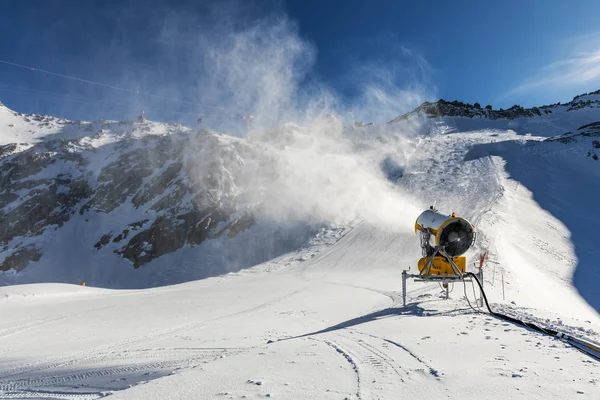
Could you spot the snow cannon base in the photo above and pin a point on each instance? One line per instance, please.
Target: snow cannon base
(441, 266)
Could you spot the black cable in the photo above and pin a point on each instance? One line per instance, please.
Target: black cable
(532, 326)
(474, 294)
(467, 298)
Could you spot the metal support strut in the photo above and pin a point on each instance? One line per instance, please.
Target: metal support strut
(425, 274)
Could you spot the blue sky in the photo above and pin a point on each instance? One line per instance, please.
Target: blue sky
(155, 53)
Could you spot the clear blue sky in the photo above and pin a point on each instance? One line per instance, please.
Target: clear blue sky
(502, 53)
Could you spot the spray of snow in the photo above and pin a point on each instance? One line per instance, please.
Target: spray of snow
(327, 171)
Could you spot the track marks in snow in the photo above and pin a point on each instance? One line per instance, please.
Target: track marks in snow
(399, 360)
(18, 329)
(432, 371)
(380, 370)
(98, 354)
(136, 367)
(350, 361)
(129, 366)
(31, 394)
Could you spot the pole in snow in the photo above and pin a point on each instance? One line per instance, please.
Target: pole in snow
(404, 288)
(481, 280)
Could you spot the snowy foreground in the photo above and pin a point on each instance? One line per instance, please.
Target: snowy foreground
(332, 327)
(327, 322)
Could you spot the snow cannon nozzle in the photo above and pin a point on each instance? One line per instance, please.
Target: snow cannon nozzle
(454, 235)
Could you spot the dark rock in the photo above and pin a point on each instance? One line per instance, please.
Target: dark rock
(187, 199)
(8, 149)
(131, 227)
(44, 206)
(121, 236)
(169, 233)
(19, 259)
(104, 240)
(241, 224)
(443, 108)
(164, 236)
(158, 185)
(172, 200)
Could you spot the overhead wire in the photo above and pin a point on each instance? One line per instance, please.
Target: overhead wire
(114, 87)
(28, 91)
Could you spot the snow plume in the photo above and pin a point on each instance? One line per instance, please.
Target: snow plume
(395, 80)
(327, 170)
(325, 175)
(255, 76)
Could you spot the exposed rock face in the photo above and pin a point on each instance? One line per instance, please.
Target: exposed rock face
(28, 204)
(589, 130)
(443, 108)
(590, 100)
(20, 258)
(168, 234)
(582, 134)
(186, 185)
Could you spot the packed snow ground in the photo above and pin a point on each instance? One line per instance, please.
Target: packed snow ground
(345, 335)
(327, 321)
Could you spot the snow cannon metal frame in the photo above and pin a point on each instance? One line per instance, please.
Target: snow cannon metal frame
(443, 239)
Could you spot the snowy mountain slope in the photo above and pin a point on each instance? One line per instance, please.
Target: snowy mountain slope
(130, 194)
(551, 192)
(326, 320)
(548, 177)
(32, 128)
(142, 204)
(551, 120)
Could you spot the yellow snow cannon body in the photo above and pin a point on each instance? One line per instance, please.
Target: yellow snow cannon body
(443, 239)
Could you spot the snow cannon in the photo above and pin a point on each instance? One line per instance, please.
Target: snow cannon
(443, 239)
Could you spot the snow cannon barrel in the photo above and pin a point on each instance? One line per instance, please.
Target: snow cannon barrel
(455, 235)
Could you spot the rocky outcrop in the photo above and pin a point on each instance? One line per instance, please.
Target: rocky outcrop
(187, 185)
(582, 134)
(20, 258)
(588, 130)
(170, 233)
(443, 108)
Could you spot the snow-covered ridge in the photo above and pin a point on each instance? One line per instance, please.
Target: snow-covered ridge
(142, 203)
(124, 194)
(443, 108)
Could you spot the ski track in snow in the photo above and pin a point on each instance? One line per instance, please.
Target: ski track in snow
(97, 354)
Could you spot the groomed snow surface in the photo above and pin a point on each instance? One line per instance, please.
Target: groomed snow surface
(336, 322)
(327, 321)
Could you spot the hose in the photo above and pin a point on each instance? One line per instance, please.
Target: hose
(577, 343)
